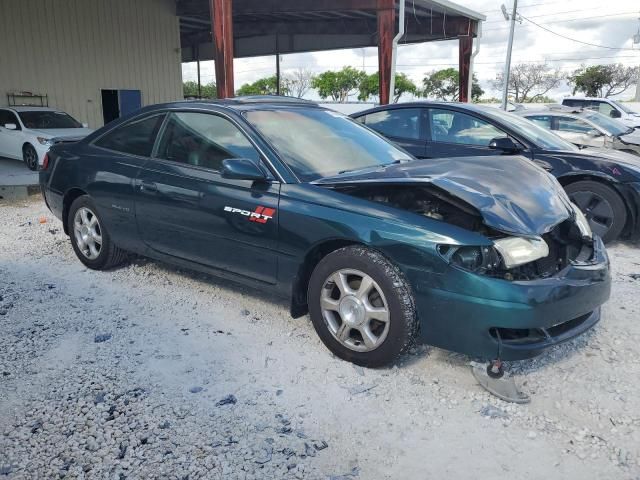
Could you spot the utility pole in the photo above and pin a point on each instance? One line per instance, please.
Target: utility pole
(636, 40)
(507, 63)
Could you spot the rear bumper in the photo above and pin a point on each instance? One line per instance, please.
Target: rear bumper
(479, 315)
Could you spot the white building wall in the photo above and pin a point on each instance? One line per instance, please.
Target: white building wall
(71, 49)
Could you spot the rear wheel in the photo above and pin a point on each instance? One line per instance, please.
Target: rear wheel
(30, 157)
(602, 206)
(362, 307)
(90, 240)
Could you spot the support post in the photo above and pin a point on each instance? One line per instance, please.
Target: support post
(386, 30)
(198, 64)
(464, 66)
(222, 28)
(507, 63)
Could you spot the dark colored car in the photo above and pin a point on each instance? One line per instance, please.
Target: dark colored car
(605, 185)
(485, 256)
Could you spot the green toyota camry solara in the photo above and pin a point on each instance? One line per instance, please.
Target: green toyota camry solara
(485, 256)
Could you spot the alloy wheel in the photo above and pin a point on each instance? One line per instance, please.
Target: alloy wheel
(88, 234)
(598, 211)
(355, 310)
(31, 158)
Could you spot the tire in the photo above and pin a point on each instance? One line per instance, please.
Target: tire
(30, 157)
(90, 240)
(603, 207)
(386, 288)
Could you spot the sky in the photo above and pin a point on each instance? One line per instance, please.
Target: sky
(610, 24)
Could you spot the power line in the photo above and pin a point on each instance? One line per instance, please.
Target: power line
(563, 21)
(573, 39)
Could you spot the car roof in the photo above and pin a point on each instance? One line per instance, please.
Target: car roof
(586, 98)
(426, 103)
(255, 102)
(27, 108)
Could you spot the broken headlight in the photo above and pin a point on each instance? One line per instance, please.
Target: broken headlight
(472, 258)
(517, 251)
(582, 222)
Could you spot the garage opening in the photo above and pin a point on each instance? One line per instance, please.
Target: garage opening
(117, 103)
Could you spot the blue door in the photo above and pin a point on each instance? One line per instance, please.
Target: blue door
(130, 101)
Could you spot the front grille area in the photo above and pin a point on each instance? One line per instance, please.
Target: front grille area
(526, 336)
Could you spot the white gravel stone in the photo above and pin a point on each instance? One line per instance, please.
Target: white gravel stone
(172, 330)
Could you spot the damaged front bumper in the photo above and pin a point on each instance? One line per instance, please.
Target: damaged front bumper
(487, 317)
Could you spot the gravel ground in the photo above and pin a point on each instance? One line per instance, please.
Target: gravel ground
(148, 371)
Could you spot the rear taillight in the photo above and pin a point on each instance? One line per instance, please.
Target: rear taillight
(45, 161)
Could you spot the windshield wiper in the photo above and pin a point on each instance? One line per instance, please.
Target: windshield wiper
(372, 167)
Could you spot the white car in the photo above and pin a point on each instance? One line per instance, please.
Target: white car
(607, 107)
(26, 133)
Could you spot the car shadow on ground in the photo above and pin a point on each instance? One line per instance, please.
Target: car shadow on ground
(420, 351)
(222, 283)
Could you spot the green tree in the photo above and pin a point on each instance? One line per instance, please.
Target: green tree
(603, 80)
(370, 87)
(190, 89)
(265, 86)
(338, 84)
(445, 85)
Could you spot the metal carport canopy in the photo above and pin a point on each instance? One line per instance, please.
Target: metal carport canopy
(246, 28)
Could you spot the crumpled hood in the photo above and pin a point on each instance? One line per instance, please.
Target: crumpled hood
(511, 193)
(631, 137)
(63, 132)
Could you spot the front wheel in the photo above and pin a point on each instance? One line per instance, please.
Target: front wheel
(602, 206)
(90, 240)
(362, 307)
(30, 157)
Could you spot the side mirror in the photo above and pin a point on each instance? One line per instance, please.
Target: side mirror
(10, 126)
(505, 144)
(85, 125)
(242, 169)
(615, 114)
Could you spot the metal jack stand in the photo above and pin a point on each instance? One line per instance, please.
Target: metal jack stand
(492, 378)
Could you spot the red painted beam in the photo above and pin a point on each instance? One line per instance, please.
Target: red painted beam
(386, 31)
(222, 28)
(464, 66)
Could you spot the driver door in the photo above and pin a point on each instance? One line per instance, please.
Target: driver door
(186, 209)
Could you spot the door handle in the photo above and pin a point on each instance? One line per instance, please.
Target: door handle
(148, 187)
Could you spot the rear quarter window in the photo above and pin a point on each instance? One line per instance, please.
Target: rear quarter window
(134, 138)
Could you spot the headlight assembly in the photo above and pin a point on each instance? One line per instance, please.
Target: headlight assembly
(44, 141)
(472, 258)
(517, 251)
(582, 222)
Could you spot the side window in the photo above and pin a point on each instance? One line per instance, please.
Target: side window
(135, 138)
(543, 121)
(569, 124)
(602, 107)
(573, 103)
(448, 126)
(8, 117)
(400, 123)
(203, 140)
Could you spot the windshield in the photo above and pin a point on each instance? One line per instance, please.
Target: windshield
(622, 107)
(612, 126)
(42, 120)
(317, 143)
(540, 137)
